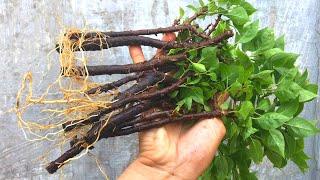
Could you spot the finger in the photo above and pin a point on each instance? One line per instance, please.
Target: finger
(200, 143)
(167, 37)
(136, 54)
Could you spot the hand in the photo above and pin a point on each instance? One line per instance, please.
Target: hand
(172, 151)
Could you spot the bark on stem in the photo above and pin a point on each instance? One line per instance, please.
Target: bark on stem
(153, 124)
(76, 36)
(145, 118)
(107, 132)
(97, 44)
(155, 63)
(115, 84)
(150, 79)
(82, 144)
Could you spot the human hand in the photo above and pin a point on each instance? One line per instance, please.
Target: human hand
(174, 151)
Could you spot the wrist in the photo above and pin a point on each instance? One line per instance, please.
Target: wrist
(140, 170)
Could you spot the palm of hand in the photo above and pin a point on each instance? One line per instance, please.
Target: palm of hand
(180, 152)
(174, 150)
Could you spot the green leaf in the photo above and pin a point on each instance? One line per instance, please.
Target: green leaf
(247, 132)
(262, 74)
(287, 90)
(213, 76)
(264, 105)
(312, 88)
(264, 77)
(246, 109)
(280, 43)
(271, 120)
(221, 163)
(262, 42)
(212, 7)
(194, 80)
(201, 3)
(249, 176)
(284, 59)
(175, 51)
(271, 52)
(305, 95)
(193, 8)
(244, 60)
(256, 150)
(196, 93)
(287, 74)
(291, 145)
(248, 7)
(302, 127)
(300, 159)
(232, 130)
(188, 103)
(238, 15)
(235, 88)
(229, 72)
(275, 141)
(301, 79)
(289, 108)
(209, 57)
(174, 94)
(181, 12)
(276, 159)
(199, 67)
(249, 32)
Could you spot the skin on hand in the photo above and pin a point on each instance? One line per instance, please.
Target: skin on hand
(174, 151)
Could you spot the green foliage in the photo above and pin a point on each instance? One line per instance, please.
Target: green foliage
(267, 92)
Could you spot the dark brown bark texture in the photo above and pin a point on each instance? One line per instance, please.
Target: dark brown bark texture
(128, 112)
(97, 44)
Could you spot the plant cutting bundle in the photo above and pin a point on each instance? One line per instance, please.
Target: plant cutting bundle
(230, 69)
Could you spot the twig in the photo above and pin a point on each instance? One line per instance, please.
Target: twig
(214, 26)
(155, 63)
(88, 35)
(144, 118)
(115, 84)
(202, 35)
(107, 132)
(97, 44)
(153, 124)
(150, 79)
(203, 11)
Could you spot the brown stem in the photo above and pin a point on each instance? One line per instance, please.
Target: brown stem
(148, 117)
(200, 34)
(161, 122)
(97, 44)
(148, 95)
(88, 35)
(214, 26)
(108, 132)
(91, 137)
(148, 80)
(157, 95)
(203, 11)
(208, 26)
(115, 84)
(72, 152)
(154, 63)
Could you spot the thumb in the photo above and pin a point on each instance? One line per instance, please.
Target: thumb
(201, 142)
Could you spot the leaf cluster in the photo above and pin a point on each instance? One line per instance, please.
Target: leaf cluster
(266, 92)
